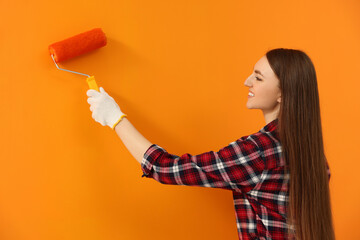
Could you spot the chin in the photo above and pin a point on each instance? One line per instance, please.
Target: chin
(249, 106)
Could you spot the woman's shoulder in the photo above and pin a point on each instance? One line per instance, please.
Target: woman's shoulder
(265, 138)
(269, 146)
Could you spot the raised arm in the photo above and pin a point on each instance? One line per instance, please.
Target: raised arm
(136, 143)
(107, 112)
(237, 166)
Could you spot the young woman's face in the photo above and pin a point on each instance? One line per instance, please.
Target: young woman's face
(264, 84)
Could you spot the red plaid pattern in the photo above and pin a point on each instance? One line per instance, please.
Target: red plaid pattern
(251, 167)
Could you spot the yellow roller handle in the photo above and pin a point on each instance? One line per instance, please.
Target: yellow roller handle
(92, 83)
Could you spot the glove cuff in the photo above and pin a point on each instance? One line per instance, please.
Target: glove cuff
(113, 127)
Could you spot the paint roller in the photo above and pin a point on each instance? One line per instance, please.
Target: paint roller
(78, 45)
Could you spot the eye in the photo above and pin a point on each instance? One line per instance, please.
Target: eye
(258, 78)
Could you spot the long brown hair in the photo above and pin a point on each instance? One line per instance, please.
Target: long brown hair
(300, 133)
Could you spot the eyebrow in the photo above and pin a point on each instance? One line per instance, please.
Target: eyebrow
(258, 72)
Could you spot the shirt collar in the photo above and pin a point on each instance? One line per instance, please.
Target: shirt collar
(271, 126)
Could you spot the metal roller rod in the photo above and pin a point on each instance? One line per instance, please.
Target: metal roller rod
(68, 70)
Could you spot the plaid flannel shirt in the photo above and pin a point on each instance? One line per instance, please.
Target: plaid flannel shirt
(251, 167)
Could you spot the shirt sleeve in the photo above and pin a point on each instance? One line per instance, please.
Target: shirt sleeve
(237, 166)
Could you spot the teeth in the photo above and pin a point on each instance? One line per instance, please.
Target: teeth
(251, 94)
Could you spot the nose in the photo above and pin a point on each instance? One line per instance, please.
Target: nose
(248, 81)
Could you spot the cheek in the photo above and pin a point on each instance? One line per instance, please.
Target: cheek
(267, 96)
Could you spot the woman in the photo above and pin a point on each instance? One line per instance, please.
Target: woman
(256, 168)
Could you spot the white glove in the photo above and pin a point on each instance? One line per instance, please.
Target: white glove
(104, 108)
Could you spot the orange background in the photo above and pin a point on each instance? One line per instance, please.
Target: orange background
(177, 69)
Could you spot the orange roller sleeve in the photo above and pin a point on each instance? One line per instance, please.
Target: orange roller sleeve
(78, 44)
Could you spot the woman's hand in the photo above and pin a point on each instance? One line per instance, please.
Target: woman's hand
(104, 108)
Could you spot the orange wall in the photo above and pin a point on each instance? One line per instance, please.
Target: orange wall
(177, 68)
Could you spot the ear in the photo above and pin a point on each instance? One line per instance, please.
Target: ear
(279, 100)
